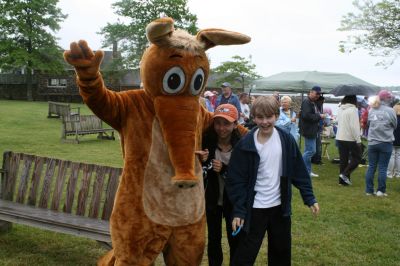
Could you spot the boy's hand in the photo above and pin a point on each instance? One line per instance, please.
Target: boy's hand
(315, 209)
(203, 155)
(236, 223)
(217, 165)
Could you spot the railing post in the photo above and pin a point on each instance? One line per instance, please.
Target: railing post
(4, 225)
(4, 170)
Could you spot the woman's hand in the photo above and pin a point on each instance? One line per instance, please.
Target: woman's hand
(203, 155)
(217, 165)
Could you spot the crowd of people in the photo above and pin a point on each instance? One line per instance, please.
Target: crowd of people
(251, 158)
(375, 120)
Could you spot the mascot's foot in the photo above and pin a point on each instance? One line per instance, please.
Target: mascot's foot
(107, 260)
(185, 181)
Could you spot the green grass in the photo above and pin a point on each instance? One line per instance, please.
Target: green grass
(352, 229)
(24, 127)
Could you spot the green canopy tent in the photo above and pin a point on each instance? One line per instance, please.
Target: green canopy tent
(303, 81)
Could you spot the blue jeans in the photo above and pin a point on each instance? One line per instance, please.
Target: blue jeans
(378, 156)
(309, 151)
(317, 157)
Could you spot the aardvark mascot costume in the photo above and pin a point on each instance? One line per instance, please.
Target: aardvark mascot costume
(159, 205)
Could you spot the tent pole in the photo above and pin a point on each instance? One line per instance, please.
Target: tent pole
(302, 99)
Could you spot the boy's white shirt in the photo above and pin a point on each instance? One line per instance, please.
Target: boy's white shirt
(269, 171)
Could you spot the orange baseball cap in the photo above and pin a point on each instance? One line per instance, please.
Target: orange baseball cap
(227, 111)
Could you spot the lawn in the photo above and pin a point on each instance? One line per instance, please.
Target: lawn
(352, 229)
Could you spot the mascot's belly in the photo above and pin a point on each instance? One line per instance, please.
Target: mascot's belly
(163, 202)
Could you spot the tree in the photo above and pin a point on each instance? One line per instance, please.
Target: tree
(131, 36)
(27, 40)
(239, 70)
(375, 28)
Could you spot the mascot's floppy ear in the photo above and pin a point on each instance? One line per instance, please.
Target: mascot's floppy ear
(157, 30)
(214, 37)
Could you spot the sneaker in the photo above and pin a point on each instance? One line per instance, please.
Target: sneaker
(345, 179)
(342, 183)
(370, 194)
(313, 175)
(381, 194)
(389, 176)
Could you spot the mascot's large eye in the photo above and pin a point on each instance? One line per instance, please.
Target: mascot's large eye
(174, 80)
(196, 84)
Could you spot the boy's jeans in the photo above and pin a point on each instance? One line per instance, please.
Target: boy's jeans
(309, 150)
(378, 156)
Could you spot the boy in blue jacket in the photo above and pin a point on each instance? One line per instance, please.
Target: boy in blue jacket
(263, 166)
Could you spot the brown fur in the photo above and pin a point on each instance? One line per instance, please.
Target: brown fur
(159, 134)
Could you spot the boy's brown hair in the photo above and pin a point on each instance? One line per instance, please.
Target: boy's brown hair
(265, 105)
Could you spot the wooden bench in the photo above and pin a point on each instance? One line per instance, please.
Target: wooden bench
(84, 125)
(58, 195)
(57, 110)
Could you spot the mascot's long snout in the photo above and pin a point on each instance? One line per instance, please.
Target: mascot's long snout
(178, 117)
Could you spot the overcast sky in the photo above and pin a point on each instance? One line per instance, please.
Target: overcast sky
(287, 35)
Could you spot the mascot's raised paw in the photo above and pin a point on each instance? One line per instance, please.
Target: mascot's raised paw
(86, 63)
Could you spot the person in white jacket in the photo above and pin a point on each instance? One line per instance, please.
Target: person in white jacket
(348, 138)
